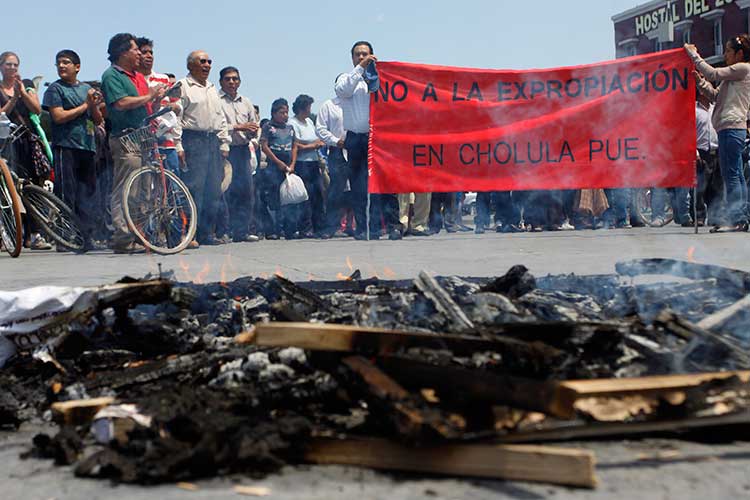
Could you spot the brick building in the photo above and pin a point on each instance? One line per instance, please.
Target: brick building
(706, 23)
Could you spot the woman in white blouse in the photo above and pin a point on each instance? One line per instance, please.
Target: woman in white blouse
(307, 143)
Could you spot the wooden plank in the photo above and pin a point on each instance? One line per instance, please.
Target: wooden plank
(383, 342)
(691, 270)
(563, 431)
(717, 319)
(443, 302)
(571, 467)
(78, 411)
(410, 414)
(570, 391)
(478, 386)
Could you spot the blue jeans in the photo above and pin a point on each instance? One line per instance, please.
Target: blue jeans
(679, 200)
(171, 160)
(731, 142)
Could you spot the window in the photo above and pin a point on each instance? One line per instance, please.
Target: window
(718, 38)
(686, 36)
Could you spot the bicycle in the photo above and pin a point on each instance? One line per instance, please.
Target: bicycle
(53, 217)
(645, 211)
(10, 217)
(158, 206)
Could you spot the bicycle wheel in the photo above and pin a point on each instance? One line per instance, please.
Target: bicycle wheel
(643, 199)
(11, 230)
(159, 210)
(56, 219)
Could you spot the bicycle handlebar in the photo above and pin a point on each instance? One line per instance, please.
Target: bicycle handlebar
(154, 116)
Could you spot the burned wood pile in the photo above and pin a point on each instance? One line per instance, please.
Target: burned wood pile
(154, 381)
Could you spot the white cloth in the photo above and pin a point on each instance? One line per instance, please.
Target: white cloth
(305, 134)
(352, 89)
(330, 122)
(707, 138)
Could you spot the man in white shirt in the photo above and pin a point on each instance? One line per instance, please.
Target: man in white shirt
(243, 124)
(330, 129)
(352, 89)
(204, 145)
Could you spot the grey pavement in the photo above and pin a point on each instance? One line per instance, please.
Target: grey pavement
(692, 470)
(466, 254)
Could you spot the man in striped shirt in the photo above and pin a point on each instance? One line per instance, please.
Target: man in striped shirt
(167, 145)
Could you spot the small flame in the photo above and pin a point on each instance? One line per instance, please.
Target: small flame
(344, 277)
(310, 277)
(223, 272)
(349, 264)
(185, 268)
(200, 278)
(264, 276)
(691, 255)
(388, 272)
(278, 272)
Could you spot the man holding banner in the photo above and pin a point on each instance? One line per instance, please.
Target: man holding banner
(353, 89)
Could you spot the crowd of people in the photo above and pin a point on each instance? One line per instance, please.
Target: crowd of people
(234, 163)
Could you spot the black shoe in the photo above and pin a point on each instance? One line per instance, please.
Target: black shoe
(464, 229)
(272, 236)
(479, 229)
(395, 235)
(418, 232)
(211, 241)
(326, 236)
(687, 223)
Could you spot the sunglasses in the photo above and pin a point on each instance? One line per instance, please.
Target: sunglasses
(204, 61)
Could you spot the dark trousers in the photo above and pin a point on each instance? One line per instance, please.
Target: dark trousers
(205, 171)
(710, 190)
(75, 185)
(506, 211)
(618, 205)
(443, 212)
(337, 200)
(383, 207)
(679, 200)
(312, 210)
(240, 196)
(541, 208)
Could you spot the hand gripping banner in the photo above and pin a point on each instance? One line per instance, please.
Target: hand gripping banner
(623, 123)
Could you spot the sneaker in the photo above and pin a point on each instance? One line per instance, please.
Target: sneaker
(419, 232)
(38, 243)
(658, 222)
(129, 248)
(567, 226)
(395, 235)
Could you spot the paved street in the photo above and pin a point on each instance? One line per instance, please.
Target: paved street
(693, 471)
(466, 254)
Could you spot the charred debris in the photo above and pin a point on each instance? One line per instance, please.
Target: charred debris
(165, 381)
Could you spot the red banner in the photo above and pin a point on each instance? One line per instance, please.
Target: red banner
(623, 123)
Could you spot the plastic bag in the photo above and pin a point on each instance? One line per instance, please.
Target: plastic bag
(292, 190)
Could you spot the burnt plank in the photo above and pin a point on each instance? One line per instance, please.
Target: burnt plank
(444, 303)
(567, 466)
(410, 414)
(684, 269)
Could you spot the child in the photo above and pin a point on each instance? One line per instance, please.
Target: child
(74, 109)
(276, 142)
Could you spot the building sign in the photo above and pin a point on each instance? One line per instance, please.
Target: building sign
(677, 11)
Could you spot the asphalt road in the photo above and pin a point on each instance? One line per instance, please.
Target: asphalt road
(626, 468)
(465, 254)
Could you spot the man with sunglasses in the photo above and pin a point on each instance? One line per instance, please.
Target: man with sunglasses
(204, 144)
(243, 124)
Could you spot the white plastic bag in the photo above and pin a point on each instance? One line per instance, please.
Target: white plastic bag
(292, 190)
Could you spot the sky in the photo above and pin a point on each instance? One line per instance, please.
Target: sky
(288, 48)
